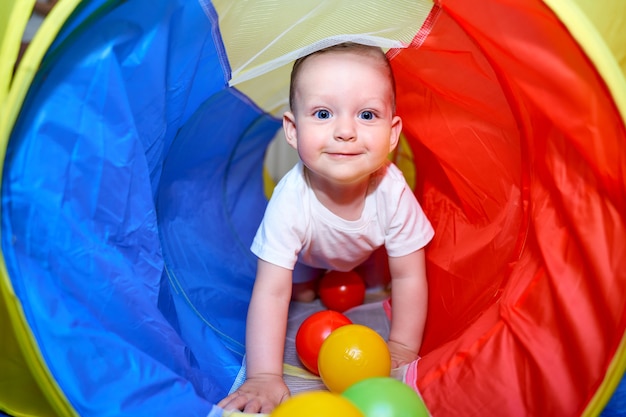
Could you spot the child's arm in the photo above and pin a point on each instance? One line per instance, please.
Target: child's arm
(409, 294)
(266, 326)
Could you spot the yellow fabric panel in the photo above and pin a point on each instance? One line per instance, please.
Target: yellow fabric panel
(403, 157)
(26, 386)
(261, 48)
(609, 19)
(16, 13)
(11, 98)
(268, 183)
(20, 394)
(599, 36)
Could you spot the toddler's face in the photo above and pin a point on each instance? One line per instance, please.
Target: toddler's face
(343, 125)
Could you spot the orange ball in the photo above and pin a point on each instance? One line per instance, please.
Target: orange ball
(351, 354)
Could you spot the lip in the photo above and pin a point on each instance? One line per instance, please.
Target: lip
(342, 154)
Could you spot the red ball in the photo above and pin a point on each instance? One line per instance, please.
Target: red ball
(340, 291)
(312, 333)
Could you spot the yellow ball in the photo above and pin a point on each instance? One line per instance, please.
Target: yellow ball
(316, 404)
(351, 354)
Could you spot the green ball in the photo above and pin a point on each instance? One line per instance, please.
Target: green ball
(386, 397)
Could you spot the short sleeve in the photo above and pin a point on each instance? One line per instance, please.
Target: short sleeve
(281, 234)
(408, 229)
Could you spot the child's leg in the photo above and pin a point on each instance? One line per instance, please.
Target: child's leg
(305, 279)
(375, 270)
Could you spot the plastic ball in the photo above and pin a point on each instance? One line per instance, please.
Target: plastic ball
(312, 333)
(316, 404)
(386, 397)
(351, 354)
(341, 291)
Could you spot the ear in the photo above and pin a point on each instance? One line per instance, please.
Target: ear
(289, 126)
(396, 129)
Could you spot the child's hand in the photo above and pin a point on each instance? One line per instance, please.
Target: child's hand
(259, 394)
(400, 354)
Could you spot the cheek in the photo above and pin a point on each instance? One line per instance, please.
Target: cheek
(379, 141)
(311, 137)
(306, 152)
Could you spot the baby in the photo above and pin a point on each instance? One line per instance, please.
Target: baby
(342, 203)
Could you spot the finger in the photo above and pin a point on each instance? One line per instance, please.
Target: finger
(235, 402)
(253, 406)
(224, 402)
(267, 407)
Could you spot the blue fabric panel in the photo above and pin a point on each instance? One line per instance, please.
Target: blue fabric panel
(167, 56)
(80, 233)
(209, 206)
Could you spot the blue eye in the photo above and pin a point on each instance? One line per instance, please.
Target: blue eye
(322, 114)
(367, 115)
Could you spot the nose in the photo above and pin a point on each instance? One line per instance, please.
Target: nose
(345, 129)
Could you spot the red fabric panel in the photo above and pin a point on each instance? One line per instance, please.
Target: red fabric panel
(467, 147)
(520, 155)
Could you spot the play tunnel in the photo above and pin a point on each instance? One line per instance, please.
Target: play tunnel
(134, 135)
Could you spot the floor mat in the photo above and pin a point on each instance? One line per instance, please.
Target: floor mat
(371, 313)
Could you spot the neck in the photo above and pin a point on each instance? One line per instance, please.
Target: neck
(344, 200)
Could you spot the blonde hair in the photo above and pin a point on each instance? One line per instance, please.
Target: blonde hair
(346, 47)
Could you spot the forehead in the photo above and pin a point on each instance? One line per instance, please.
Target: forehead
(367, 59)
(340, 69)
(351, 65)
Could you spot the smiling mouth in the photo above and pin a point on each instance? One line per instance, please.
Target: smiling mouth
(342, 154)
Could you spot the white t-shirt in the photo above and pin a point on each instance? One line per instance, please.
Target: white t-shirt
(296, 227)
